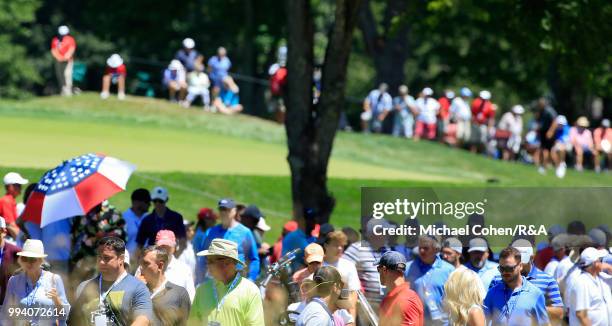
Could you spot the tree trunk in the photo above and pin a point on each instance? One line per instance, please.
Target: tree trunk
(311, 129)
(389, 51)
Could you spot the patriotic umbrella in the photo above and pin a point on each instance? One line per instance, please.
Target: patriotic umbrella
(75, 187)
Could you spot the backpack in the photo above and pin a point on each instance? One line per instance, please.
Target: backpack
(278, 81)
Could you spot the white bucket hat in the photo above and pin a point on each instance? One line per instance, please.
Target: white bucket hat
(114, 61)
(222, 247)
(33, 248)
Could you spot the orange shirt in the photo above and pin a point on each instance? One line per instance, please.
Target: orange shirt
(401, 306)
(64, 46)
(8, 208)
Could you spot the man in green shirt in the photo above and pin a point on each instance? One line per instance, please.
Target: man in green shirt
(228, 298)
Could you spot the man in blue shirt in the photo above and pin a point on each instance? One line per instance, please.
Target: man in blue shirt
(427, 274)
(546, 283)
(232, 230)
(479, 261)
(218, 67)
(162, 218)
(133, 216)
(515, 300)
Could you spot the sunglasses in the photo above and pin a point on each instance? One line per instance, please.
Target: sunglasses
(506, 269)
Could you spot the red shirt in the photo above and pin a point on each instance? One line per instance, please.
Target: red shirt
(8, 208)
(401, 306)
(121, 70)
(64, 46)
(444, 107)
(543, 257)
(482, 111)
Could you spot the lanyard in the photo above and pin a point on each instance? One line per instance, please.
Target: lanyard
(319, 301)
(31, 295)
(231, 287)
(103, 296)
(159, 289)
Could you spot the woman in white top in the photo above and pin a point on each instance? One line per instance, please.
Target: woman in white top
(34, 288)
(464, 294)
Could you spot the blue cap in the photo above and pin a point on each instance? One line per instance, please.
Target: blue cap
(227, 203)
(393, 260)
(252, 211)
(465, 92)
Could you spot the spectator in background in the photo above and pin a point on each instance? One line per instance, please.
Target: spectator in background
(161, 218)
(427, 274)
(278, 84)
(313, 257)
(509, 132)
(206, 220)
(175, 80)
(451, 251)
(591, 302)
(558, 245)
(228, 101)
(582, 142)
(253, 219)
(63, 47)
(197, 86)
(478, 253)
(188, 256)
(241, 297)
(602, 137)
(427, 110)
(460, 112)
(277, 249)
(218, 68)
(232, 230)
(561, 145)
(133, 216)
(403, 120)
(189, 57)
(463, 298)
(376, 106)
(352, 236)
(8, 263)
(444, 113)
(13, 182)
(333, 245)
(171, 302)
(547, 124)
(327, 290)
(544, 249)
(114, 73)
(525, 305)
(483, 119)
(401, 305)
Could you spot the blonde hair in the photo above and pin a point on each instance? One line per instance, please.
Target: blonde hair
(463, 289)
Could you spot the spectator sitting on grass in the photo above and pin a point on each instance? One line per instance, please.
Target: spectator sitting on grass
(561, 146)
(198, 84)
(582, 142)
(114, 73)
(175, 80)
(603, 142)
(228, 101)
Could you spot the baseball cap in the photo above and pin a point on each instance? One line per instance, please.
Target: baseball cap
(559, 241)
(262, 225)
(114, 61)
(518, 109)
(252, 211)
(525, 248)
(590, 255)
(599, 237)
(206, 214)
(427, 91)
(189, 43)
(465, 92)
(290, 226)
(562, 120)
(393, 260)
(313, 253)
(605, 123)
(12, 178)
(2, 223)
(485, 95)
(227, 203)
(175, 65)
(478, 244)
(165, 238)
(454, 244)
(63, 30)
(159, 193)
(582, 122)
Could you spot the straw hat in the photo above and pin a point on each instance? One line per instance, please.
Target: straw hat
(222, 247)
(582, 122)
(33, 248)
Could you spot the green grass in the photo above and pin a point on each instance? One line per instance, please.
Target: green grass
(201, 157)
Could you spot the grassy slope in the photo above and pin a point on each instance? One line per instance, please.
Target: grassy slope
(201, 157)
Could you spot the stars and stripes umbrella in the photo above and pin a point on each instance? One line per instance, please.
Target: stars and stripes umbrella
(75, 187)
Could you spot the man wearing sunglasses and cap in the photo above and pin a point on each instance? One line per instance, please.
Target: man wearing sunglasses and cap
(13, 182)
(515, 300)
(227, 298)
(401, 305)
(232, 230)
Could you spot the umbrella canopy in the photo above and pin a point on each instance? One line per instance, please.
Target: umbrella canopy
(75, 187)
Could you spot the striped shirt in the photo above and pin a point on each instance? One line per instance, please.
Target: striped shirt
(546, 283)
(365, 258)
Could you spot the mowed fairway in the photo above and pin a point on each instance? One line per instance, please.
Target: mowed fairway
(201, 156)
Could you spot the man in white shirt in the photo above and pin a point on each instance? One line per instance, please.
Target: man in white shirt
(428, 108)
(591, 301)
(334, 249)
(558, 244)
(462, 114)
(133, 216)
